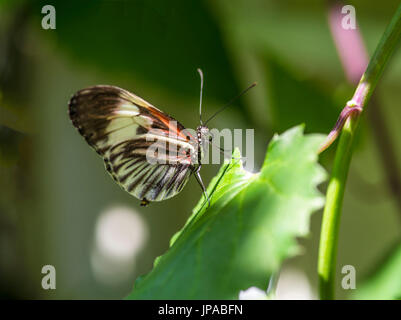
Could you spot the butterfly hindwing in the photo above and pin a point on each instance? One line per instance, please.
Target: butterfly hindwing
(122, 128)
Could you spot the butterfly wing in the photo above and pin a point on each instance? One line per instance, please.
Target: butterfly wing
(123, 128)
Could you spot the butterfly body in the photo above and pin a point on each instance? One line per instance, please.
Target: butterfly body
(123, 129)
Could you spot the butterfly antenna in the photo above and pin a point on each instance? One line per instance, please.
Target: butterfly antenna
(201, 94)
(231, 101)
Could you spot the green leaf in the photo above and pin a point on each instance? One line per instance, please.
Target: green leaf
(385, 281)
(250, 228)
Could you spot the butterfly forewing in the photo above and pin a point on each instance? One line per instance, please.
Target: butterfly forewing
(135, 140)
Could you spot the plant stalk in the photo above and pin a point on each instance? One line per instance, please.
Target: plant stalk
(348, 127)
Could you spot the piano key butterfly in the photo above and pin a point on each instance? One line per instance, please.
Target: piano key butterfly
(148, 153)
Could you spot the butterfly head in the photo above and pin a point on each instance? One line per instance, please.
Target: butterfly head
(204, 135)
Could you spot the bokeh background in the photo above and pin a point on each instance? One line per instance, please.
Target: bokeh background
(58, 205)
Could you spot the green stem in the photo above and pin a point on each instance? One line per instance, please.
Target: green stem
(336, 187)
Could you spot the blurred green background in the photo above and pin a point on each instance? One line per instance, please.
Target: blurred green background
(58, 205)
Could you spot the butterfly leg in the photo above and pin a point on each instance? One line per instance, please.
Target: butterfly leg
(199, 178)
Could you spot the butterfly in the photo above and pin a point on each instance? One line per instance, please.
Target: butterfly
(123, 128)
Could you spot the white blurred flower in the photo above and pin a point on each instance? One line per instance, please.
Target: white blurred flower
(294, 285)
(252, 293)
(119, 236)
